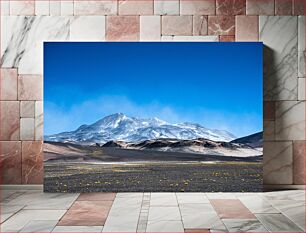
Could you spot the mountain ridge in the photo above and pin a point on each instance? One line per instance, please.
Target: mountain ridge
(120, 127)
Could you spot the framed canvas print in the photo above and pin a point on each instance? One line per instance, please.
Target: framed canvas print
(153, 117)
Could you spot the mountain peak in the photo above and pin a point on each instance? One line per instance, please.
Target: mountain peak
(119, 126)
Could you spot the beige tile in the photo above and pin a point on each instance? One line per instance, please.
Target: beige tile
(8, 87)
(200, 25)
(22, 7)
(150, 28)
(177, 25)
(27, 109)
(166, 7)
(260, 7)
(89, 28)
(9, 120)
(30, 87)
(203, 7)
(122, 28)
(95, 7)
(42, 7)
(135, 7)
(246, 28)
(27, 129)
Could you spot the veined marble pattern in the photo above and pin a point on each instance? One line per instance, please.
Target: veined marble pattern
(294, 210)
(238, 225)
(290, 120)
(9, 210)
(22, 40)
(279, 35)
(301, 47)
(278, 163)
(278, 223)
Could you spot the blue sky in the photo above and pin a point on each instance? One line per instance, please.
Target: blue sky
(218, 85)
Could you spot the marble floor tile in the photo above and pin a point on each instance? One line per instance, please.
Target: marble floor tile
(258, 205)
(278, 223)
(163, 199)
(97, 197)
(297, 195)
(75, 229)
(218, 226)
(164, 213)
(20, 219)
(243, 225)
(86, 213)
(6, 193)
(199, 208)
(221, 195)
(191, 198)
(294, 210)
(11, 197)
(165, 226)
(9, 210)
(124, 214)
(123, 202)
(231, 209)
(39, 226)
(40, 200)
(129, 195)
(200, 219)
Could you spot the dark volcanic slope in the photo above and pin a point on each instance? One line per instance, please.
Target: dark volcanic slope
(254, 140)
(58, 152)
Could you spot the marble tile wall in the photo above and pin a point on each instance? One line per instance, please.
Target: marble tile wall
(26, 24)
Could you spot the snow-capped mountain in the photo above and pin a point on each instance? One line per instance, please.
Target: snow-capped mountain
(119, 127)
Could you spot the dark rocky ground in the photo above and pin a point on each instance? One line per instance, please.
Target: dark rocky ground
(151, 177)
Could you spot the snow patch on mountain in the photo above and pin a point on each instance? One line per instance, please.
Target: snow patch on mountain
(119, 127)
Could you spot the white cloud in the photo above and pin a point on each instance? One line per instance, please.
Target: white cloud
(59, 119)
